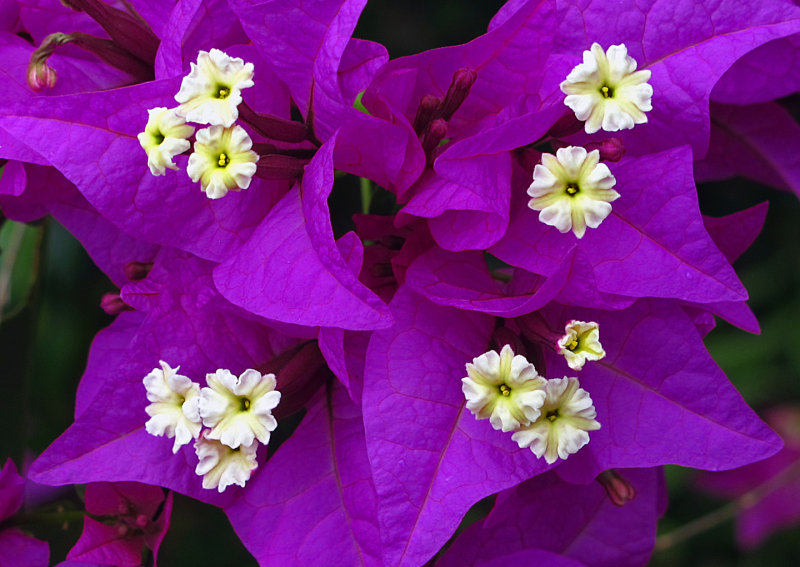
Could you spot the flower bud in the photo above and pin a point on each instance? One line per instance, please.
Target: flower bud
(41, 76)
(136, 271)
(128, 31)
(426, 110)
(434, 135)
(619, 490)
(611, 149)
(462, 82)
(565, 126)
(112, 304)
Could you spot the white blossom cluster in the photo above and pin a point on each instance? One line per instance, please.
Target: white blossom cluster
(551, 417)
(237, 412)
(222, 159)
(572, 190)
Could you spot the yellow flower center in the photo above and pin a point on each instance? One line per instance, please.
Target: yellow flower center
(606, 91)
(505, 390)
(223, 160)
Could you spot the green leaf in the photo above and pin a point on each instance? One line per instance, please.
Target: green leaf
(19, 265)
(357, 104)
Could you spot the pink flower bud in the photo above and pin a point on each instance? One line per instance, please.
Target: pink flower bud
(462, 82)
(136, 271)
(619, 490)
(41, 76)
(112, 304)
(611, 149)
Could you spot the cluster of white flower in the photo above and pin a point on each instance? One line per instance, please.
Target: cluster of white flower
(222, 159)
(236, 410)
(552, 417)
(572, 190)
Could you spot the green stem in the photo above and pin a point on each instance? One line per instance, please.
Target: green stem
(7, 259)
(366, 194)
(59, 518)
(729, 511)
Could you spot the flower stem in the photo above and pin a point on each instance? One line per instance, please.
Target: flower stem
(366, 194)
(725, 513)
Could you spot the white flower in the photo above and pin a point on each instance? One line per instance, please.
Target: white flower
(561, 430)
(239, 410)
(581, 342)
(163, 138)
(220, 466)
(222, 160)
(572, 190)
(211, 92)
(173, 409)
(606, 90)
(505, 388)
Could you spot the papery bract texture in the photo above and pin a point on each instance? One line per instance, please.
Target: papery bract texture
(323, 512)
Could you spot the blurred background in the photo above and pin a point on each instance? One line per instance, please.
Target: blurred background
(52, 314)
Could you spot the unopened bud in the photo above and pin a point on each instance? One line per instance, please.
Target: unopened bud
(274, 127)
(565, 126)
(112, 304)
(528, 158)
(611, 149)
(128, 30)
(136, 271)
(279, 167)
(462, 82)
(41, 76)
(301, 371)
(505, 336)
(428, 107)
(105, 49)
(619, 490)
(434, 135)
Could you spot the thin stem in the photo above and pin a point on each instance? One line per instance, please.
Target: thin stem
(366, 194)
(725, 513)
(7, 260)
(58, 517)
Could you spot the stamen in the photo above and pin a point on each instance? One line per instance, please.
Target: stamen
(505, 390)
(223, 160)
(606, 92)
(223, 92)
(572, 188)
(245, 404)
(552, 415)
